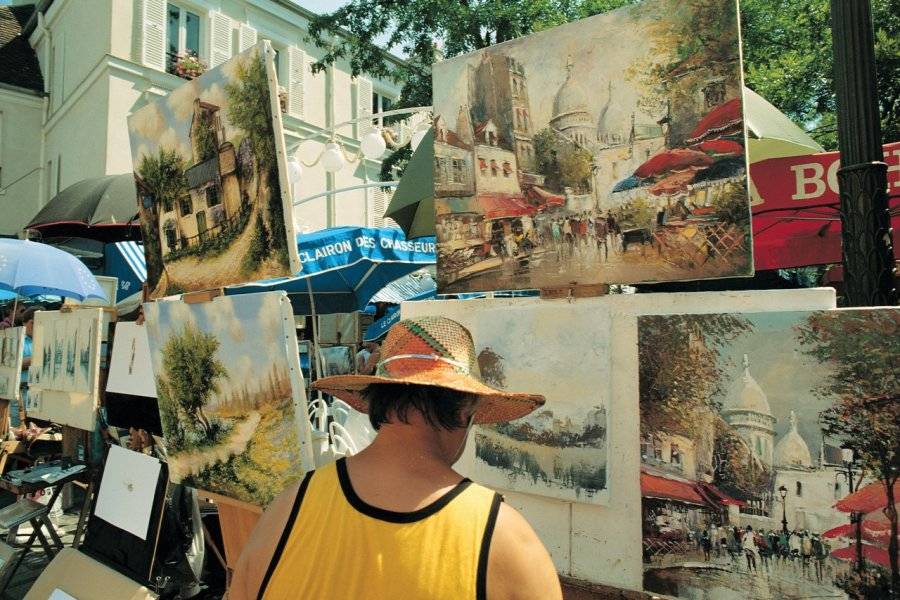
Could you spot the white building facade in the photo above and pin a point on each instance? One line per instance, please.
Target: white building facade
(103, 59)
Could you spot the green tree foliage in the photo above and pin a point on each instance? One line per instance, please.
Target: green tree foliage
(679, 368)
(163, 177)
(863, 349)
(737, 472)
(250, 110)
(259, 247)
(563, 163)
(789, 61)
(191, 374)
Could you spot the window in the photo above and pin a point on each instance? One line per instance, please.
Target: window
(185, 205)
(380, 103)
(182, 34)
(212, 196)
(493, 168)
(171, 240)
(714, 94)
(458, 170)
(837, 490)
(437, 168)
(799, 490)
(676, 455)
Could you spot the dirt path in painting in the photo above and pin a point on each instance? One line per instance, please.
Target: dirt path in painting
(196, 461)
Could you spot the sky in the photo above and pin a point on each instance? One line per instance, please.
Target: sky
(783, 371)
(602, 47)
(236, 321)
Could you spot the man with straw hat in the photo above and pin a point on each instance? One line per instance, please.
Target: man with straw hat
(395, 520)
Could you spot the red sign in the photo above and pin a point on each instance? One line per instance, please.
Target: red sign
(803, 181)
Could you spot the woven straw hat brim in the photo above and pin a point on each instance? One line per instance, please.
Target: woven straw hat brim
(496, 405)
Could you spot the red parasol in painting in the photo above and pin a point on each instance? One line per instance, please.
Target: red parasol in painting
(868, 499)
(725, 119)
(721, 148)
(875, 532)
(871, 553)
(673, 184)
(678, 159)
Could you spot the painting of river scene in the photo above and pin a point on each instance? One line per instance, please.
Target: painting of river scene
(560, 450)
(231, 414)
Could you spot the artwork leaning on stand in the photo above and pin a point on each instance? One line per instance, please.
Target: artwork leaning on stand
(754, 427)
(234, 416)
(607, 150)
(63, 384)
(213, 195)
(12, 345)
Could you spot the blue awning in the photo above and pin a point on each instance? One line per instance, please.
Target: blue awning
(346, 266)
(126, 261)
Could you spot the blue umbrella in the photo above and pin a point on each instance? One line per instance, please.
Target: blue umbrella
(343, 267)
(380, 327)
(32, 269)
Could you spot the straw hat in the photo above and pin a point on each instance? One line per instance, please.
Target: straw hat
(438, 352)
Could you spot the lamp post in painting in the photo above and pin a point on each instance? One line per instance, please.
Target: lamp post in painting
(782, 491)
(848, 457)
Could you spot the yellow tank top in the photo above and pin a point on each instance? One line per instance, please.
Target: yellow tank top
(337, 547)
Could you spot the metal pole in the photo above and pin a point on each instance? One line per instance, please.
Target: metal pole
(868, 254)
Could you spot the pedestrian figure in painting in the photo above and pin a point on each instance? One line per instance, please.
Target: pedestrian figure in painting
(748, 544)
(765, 551)
(706, 542)
(806, 550)
(601, 232)
(395, 520)
(820, 553)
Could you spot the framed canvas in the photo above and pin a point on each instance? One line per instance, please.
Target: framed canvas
(211, 177)
(110, 286)
(12, 346)
(65, 367)
(755, 430)
(606, 150)
(337, 360)
(241, 429)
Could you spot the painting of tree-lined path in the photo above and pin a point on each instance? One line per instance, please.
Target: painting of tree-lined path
(227, 410)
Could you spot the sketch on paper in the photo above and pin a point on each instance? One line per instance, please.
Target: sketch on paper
(130, 371)
(755, 431)
(230, 413)
(210, 172)
(607, 150)
(12, 345)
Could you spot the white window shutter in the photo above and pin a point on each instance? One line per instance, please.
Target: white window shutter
(246, 37)
(296, 75)
(388, 194)
(219, 38)
(379, 205)
(153, 33)
(363, 105)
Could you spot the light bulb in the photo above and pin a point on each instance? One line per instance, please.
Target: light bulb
(417, 136)
(332, 158)
(373, 144)
(295, 171)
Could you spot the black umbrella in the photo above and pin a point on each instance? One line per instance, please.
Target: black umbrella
(100, 208)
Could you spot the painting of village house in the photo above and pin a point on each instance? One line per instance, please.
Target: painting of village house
(213, 198)
(769, 464)
(608, 150)
(232, 416)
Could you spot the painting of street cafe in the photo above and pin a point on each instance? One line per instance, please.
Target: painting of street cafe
(608, 150)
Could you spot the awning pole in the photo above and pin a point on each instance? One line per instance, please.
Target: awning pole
(315, 329)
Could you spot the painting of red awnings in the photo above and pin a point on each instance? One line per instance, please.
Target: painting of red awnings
(798, 221)
(606, 150)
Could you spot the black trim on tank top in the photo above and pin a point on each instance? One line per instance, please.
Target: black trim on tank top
(481, 581)
(391, 516)
(283, 540)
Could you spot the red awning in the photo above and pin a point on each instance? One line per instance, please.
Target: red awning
(870, 498)
(797, 223)
(719, 121)
(673, 160)
(541, 195)
(666, 488)
(870, 553)
(504, 206)
(673, 184)
(717, 496)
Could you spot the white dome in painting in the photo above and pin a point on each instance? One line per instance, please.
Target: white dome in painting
(791, 450)
(570, 98)
(749, 395)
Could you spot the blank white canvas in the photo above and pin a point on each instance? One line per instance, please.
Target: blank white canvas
(130, 370)
(125, 499)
